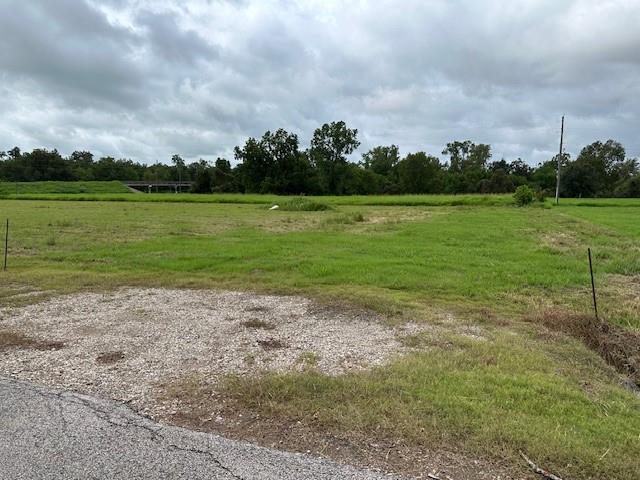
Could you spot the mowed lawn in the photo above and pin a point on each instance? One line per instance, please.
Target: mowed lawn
(486, 263)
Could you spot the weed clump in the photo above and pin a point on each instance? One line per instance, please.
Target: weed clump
(300, 204)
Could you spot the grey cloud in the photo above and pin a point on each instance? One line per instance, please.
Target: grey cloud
(173, 44)
(147, 79)
(68, 50)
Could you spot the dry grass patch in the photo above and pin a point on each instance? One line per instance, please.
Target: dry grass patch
(618, 346)
(622, 299)
(560, 241)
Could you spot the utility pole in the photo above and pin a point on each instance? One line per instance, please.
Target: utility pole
(559, 162)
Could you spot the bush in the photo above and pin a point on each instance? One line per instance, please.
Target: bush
(300, 204)
(524, 195)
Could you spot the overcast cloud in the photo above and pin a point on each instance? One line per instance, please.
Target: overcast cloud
(146, 79)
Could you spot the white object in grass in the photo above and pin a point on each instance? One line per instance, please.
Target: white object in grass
(275, 207)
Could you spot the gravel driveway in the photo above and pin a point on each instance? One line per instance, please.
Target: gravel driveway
(125, 344)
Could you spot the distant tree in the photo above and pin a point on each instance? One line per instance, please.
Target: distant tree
(289, 168)
(381, 160)
(42, 164)
(81, 165)
(579, 179)
(203, 177)
(274, 164)
(14, 153)
(420, 173)
(467, 164)
(458, 154)
(544, 177)
(330, 145)
(519, 168)
(467, 155)
(256, 166)
(108, 168)
(629, 188)
(356, 180)
(499, 165)
(498, 182)
(179, 165)
(223, 178)
(603, 161)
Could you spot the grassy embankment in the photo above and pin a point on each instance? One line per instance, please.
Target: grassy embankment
(17, 189)
(489, 265)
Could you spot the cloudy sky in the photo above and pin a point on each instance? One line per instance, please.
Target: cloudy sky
(146, 79)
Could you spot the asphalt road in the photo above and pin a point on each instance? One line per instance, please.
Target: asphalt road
(46, 434)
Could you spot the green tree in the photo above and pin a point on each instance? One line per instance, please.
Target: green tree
(467, 164)
(224, 179)
(330, 145)
(203, 178)
(256, 165)
(289, 168)
(179, 165)
(274, 164)
(602, 160)
(420, 173)
(498, 182)
(579, 179)
(81, 165)
(381, 160)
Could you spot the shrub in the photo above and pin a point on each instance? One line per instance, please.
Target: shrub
(524, 195)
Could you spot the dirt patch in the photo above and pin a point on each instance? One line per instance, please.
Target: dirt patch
(257, 323)
(256, 308)
(620, 347)
(152, 337)
(10, 339)
(109, 358)
(272, 344)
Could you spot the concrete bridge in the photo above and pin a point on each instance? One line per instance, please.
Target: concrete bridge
(150, 186)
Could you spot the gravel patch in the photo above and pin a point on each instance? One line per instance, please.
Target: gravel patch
(124, 344)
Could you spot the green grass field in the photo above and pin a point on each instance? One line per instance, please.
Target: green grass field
(478, 259)
(117, 192)
(47, 188)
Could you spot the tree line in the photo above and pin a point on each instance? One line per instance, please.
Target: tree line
(275, 163)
